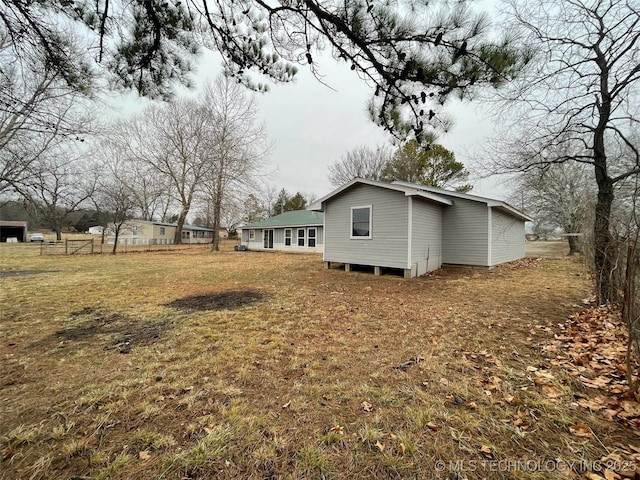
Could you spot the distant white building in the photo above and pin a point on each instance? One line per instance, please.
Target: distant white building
(95, 230)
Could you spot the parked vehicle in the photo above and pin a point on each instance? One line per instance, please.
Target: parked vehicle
(37, 237)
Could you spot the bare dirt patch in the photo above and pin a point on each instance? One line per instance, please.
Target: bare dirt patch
(111, 330)
(218, 301)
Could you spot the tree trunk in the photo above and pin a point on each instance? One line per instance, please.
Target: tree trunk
(603, 242)
(177, 239)
(115, 240)
(575, 246)
(604, 246)
(217, 207)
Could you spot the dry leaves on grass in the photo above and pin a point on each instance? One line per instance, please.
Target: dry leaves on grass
(592, 348)
(527, 262)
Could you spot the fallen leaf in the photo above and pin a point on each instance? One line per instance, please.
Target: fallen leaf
(402, 449)
(593, 404)
(592, 476)
(7, 453)
(486, 451)
(543, 378)
(380, 445)
(631, 408)
(444, 382)
(337, 429)
(611, 475)
(581, 429)
(366, 406)
(552, 391)
(144, 455)
(434, 427)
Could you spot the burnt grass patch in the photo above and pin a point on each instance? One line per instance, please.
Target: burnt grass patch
(22, 273)
(229, 300)
(114, 331)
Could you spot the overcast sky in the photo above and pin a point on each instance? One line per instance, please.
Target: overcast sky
(313, 126)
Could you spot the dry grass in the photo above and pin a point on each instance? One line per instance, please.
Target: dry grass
(107, 373)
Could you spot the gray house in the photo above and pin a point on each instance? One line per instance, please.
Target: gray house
(295, 231)
(417, 228)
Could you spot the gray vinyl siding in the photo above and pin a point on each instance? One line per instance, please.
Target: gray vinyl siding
(278, 236)
(388, 244)
(507, 238)
(465, 233)
(426, 239)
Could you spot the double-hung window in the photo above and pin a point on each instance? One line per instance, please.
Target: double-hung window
(287, 237)
(301, 237)
(361, 222)
(311, 237)
(252, 234)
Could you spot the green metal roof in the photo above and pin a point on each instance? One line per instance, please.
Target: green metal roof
(295, 218)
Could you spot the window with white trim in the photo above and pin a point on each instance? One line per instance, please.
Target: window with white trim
(252, 234)
(287, 237)
(311, 237)
(361, 222)
(162, 230)
(301, 237)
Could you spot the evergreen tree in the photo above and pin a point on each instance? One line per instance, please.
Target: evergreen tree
(431, 165)
(415, 54)
(287, 203)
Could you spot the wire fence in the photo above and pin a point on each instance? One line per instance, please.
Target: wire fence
(96, 246)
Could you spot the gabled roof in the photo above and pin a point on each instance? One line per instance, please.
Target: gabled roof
(295, 218)
(408, 191)
(498, 204)
(438, 195)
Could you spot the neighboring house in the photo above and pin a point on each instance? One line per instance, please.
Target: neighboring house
(295, 231)
(145, 232)
(417, 228)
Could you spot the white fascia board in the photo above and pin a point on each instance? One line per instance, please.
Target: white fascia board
(429, 196)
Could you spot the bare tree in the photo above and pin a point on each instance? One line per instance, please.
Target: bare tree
(231, 216)
(179, 150)
(58, 185)
(236, 143)
(130, 166)
(253, 210)
(38, 113)
(558, 197)
(361, 162)
(118, 204)
(576, 99)
(169, 144)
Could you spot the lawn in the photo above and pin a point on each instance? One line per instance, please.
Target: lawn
(192, 364)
